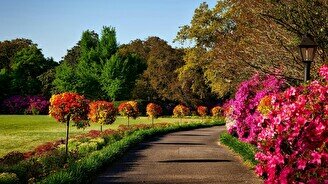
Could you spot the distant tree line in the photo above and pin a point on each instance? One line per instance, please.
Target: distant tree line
(99, 68)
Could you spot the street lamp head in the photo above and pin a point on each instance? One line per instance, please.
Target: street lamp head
(307, 48)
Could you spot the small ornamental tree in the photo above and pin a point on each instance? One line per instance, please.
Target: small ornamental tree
(69, 106)
(129, 109)
(216, 111)
(180, 111)
(153, 111)
(202, 111)
(102, 112)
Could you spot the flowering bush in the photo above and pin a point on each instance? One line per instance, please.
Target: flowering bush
(216, 111)
(153, 110)
(25, 105)
(243, 108)
(180, 111)
(129, 109)
(15, 104)
(102, 112)
(202, 111)
(228, 118)
(293, 139)
(69, 106)
(37, 105)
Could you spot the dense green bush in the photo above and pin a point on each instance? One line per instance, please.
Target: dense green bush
(8, 178)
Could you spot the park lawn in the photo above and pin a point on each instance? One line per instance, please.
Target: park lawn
(25, 132)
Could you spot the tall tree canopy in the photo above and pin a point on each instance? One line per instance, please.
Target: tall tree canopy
(160, 79)
(236, 38)
(94, 68)
(21, 65)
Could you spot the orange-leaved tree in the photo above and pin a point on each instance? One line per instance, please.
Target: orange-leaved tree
(69, 106)
(102, 112)
(181, 111)
(129, 109)
(202, 111)
(153, 111)
(217, 111)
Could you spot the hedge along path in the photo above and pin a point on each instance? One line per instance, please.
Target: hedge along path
(192, 156)
(84, 170)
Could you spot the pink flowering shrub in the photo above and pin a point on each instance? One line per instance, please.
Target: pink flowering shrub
(228, 118)
(242, 111)
(15, 104)
(293, 142)
(37, 105)
(25, 105)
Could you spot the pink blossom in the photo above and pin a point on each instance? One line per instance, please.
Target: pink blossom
(323, 72)
(301, 164)
(316, 158)
(292, 137)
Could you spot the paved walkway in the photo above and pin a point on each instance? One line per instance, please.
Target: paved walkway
(182, 157)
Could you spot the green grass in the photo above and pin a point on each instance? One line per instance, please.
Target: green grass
(24, 132)
(246, 151)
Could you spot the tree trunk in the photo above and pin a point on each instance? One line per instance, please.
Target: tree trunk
(67, 133)
(100, 128)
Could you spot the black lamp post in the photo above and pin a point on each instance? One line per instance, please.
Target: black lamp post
(307, 48)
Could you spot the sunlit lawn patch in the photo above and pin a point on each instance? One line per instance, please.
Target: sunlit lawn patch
(24, 132)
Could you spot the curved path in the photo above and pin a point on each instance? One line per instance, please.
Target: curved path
(182, 157)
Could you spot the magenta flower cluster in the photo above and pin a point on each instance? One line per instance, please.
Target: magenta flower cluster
(37, 105)
(243, 108)
(293, 142)
(288, 127)
(25, 105)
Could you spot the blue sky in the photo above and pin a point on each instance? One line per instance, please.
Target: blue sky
(57, 25)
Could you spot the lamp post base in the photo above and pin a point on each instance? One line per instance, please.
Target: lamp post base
(307, 71)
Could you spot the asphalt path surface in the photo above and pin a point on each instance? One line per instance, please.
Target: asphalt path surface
(193, 156)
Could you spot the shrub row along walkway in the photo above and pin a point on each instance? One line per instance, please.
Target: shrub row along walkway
(182, 157)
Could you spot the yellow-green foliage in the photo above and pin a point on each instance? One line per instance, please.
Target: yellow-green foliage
(8, 178)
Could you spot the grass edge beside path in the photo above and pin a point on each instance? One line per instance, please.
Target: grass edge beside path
(97, 160)
(245, 151)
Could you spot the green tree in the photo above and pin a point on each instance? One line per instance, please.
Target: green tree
(236, 38)
(65, 79)
(89, 44)
(28, 64)
(119, 75)
(95, 69)
(107, 45)
(303, 17)
(161, 79)
(73, 55)
(4, 84)
(88, 83)
(46, 80)
(8, 50)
